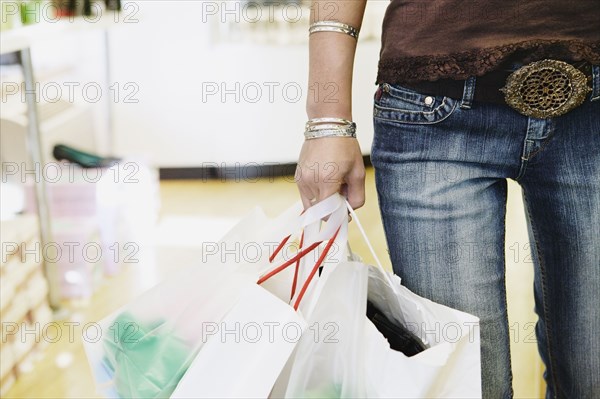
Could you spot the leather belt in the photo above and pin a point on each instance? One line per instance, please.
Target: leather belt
(523, 88)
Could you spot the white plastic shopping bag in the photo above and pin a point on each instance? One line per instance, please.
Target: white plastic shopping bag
(328, 361)
(360, 362)
(449, 368)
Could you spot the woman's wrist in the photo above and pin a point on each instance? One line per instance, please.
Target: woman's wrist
(322, 127)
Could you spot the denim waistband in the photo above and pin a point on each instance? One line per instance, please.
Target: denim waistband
(487, 87)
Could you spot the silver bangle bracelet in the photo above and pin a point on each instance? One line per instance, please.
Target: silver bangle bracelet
(333, 26)
(339, 121)
(339, 132)
(328, 133)
(327, 126)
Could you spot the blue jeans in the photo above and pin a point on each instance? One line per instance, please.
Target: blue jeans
(441, 166)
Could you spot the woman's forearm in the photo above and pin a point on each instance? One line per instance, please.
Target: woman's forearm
(332, 59)
(332, 164)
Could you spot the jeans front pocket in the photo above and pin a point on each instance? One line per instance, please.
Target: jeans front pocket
(398, 104)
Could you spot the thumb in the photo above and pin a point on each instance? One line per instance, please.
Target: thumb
(356, 192)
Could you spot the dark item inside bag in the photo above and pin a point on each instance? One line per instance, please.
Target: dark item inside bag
(399, 337)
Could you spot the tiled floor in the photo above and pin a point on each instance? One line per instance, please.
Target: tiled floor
(195, 211)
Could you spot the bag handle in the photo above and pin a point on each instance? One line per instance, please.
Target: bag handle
(343, 236)
(297, 268)
(338, 220)
(337, 223)
(368, 242)
(295, 220)
(309, 220)
(289, 262)
(296, 260)
(314, 269)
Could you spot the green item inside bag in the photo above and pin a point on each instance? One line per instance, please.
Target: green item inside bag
(147, 361)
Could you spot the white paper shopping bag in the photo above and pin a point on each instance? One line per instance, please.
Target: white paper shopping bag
(244, 354)
(246, 351)
(144, 348)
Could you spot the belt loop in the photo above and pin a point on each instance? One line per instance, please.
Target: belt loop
(468, 93)
(595, 83)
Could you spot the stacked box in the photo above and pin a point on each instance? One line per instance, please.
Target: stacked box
(78, 198)
(80, 264)
(122, 202)
(23, 297)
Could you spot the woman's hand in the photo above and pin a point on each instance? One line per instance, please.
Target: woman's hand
(331, 165)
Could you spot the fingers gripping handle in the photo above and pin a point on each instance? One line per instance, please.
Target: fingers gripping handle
(294, 219)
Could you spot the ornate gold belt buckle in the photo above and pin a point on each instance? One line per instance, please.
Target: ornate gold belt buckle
(545, 89)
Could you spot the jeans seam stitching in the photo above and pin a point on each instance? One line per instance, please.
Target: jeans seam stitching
(535, 152)
(524, 162)
(505, 193)
(408, 100)
(544, 299)
(418, 113)
(544, 143)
